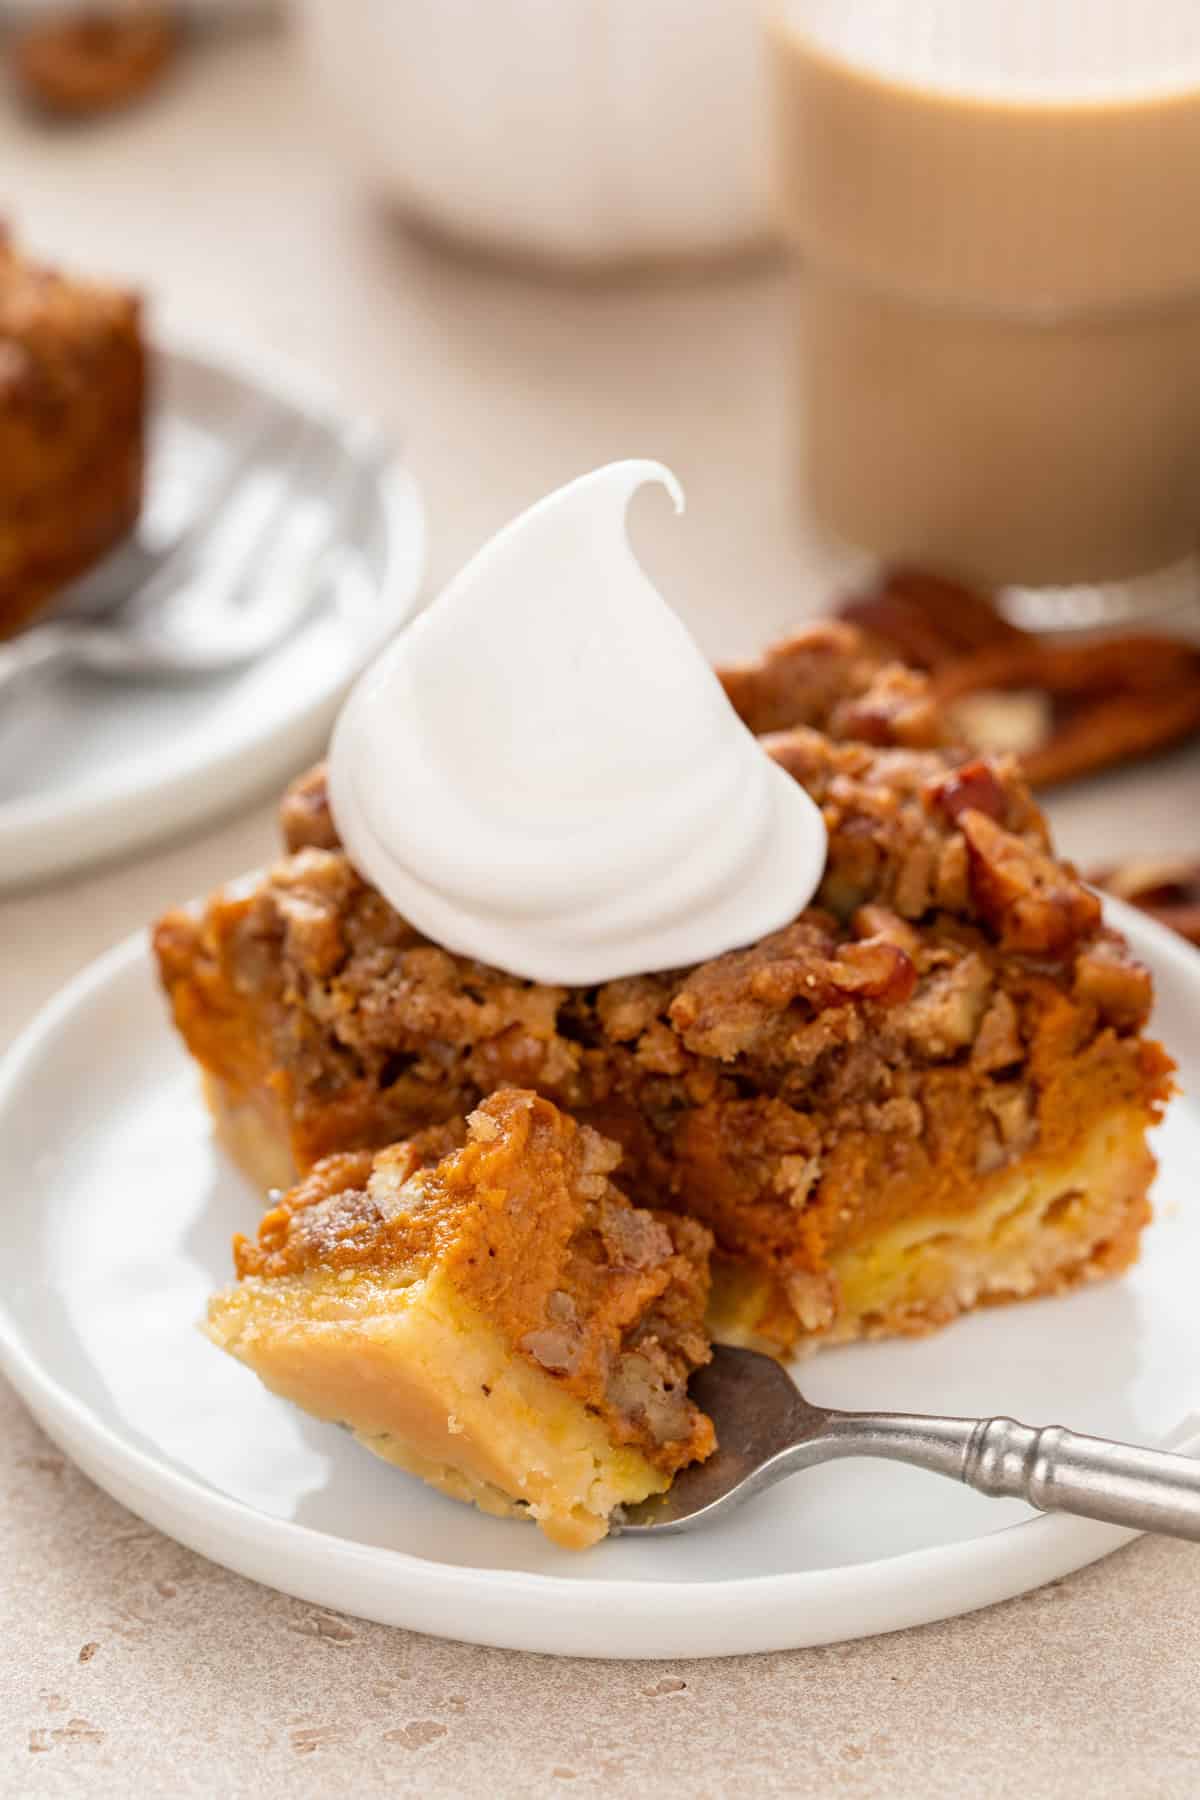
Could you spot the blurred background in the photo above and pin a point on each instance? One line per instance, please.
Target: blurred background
(886, 286)
(907, 294)
(235, 194)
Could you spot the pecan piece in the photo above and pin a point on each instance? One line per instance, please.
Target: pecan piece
(998, 1044)
(1116, 729)
(972, 786)
(304, 816)
(733, 1005)
(1113, 980)
(1033, 903)
(1113, 700)
(1065, 708)
(94, 59)
(633, 1238)
(875, 921)
(873, 968)
(926, 619)
(1132, 664)
(947, 1009)
(798, 680)
(896, 708)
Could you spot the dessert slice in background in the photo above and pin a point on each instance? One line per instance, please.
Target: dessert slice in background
(1065, 707)
(72, 429)
(482, 1307)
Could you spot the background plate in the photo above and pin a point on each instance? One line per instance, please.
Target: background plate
(90, 768)
(116, 1225)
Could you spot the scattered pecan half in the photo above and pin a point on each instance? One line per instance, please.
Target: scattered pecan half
(1111, 700)
(87, 60)
(927, 620)
(1168, 888)
(1064, 709)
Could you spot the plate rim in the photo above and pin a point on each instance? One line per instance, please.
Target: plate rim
(26, 822)
(398, 1587)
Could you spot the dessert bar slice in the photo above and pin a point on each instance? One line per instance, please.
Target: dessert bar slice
(930, 1091)
(494, 1317)
(72, 403)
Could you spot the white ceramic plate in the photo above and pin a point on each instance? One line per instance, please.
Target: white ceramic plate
(90, 768)
(116, 1224)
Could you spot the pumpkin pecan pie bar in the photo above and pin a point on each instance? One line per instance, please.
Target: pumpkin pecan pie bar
(929, 1092)
(484, 1308)
(72, 405)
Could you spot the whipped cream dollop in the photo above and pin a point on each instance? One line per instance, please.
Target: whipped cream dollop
(544, 773)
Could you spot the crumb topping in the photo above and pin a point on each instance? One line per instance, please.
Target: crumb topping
(950, 1002)
(830, 676)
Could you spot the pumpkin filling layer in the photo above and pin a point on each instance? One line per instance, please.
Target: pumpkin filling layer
(495, 1317)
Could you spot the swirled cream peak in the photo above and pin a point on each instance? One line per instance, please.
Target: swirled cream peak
(544, 773)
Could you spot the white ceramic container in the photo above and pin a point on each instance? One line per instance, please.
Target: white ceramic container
(580, 132)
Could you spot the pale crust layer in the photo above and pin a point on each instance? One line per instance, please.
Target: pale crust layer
(1042, 1228)
(426, 1383)
(483, 1306)
(253, 1132)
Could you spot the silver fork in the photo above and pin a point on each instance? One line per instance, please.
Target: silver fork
(179, 612)
(767, 1430)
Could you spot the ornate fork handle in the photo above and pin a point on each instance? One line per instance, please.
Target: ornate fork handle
(1053, 1469)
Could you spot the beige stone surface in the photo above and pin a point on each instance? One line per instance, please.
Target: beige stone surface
(129, 1666)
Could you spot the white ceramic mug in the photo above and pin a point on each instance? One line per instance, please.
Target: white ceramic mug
(582, 132)
(995, 204)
